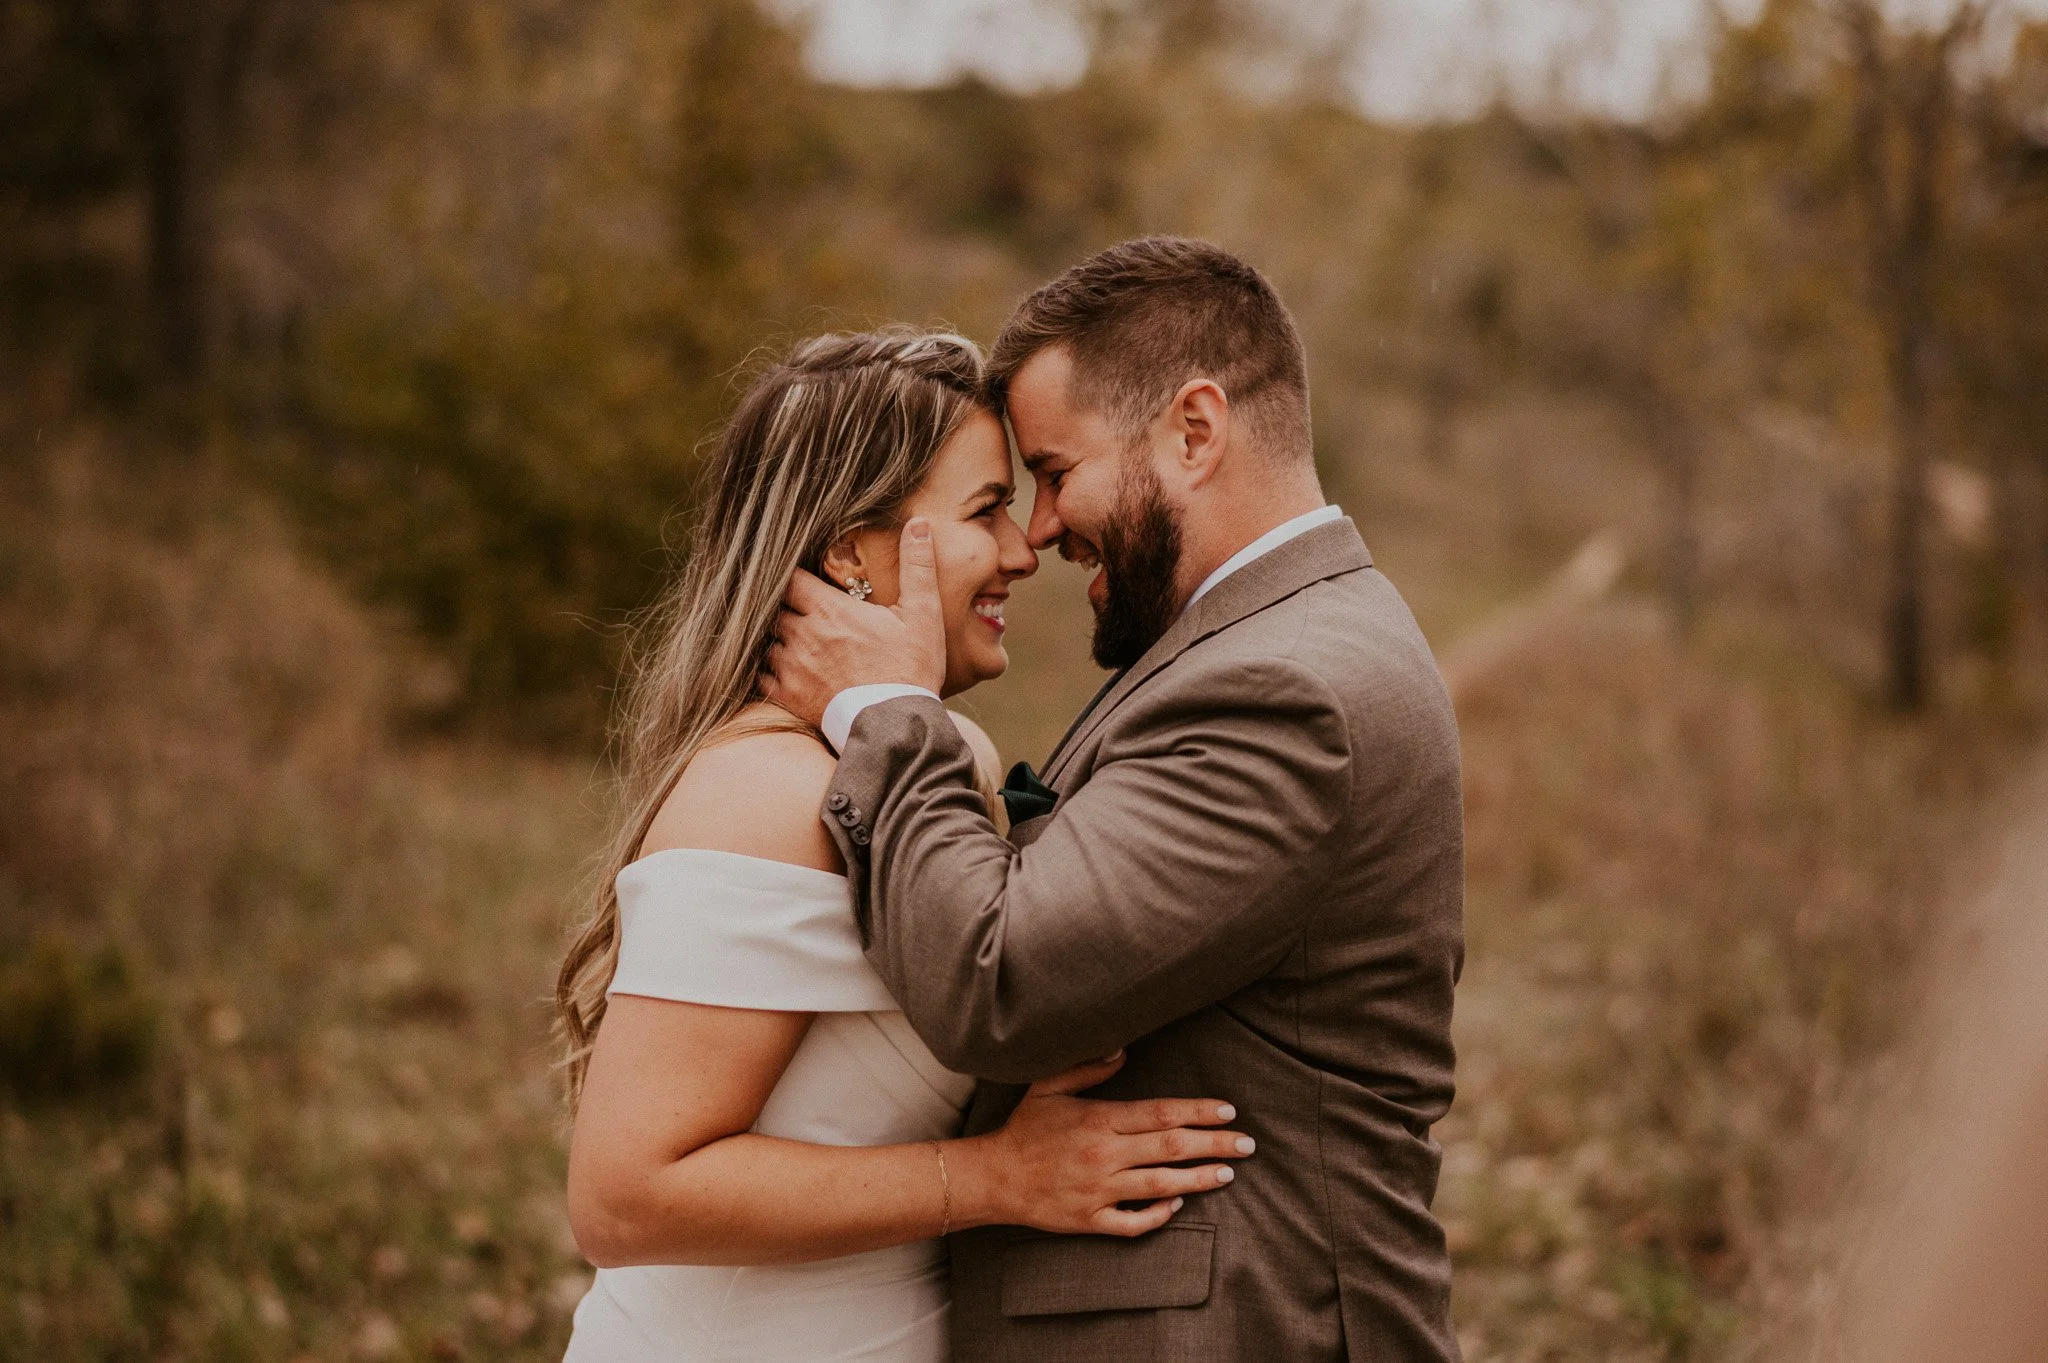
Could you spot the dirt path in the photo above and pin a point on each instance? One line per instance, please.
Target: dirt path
(1952, 1242)
(1588, 576)
(1699, 888)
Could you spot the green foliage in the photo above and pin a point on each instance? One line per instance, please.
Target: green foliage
(66, 143)
(73, 1023)
(1677, 1315)
(473, 484)
(493, 269)
(499, 445)
(64, 151)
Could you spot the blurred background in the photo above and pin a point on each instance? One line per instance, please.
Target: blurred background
(1682, 363)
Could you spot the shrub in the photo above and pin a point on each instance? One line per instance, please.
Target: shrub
(73, 1022)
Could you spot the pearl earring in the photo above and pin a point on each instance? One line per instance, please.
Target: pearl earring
(859, 588)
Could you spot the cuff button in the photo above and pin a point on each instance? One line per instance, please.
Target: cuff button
(859, 837)
(838, 801)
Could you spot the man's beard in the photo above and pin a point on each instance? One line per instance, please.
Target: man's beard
(1141, 567)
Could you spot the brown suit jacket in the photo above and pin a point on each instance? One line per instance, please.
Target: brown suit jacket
(1253, 880)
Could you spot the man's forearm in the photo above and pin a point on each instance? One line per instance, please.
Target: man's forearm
(1164, 884)
(925, 903)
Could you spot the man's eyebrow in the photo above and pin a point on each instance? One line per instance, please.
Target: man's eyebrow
(1035, 458)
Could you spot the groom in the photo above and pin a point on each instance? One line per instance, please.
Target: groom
(1243, 865)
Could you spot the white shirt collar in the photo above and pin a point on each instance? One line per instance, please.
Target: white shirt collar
(1266, 544)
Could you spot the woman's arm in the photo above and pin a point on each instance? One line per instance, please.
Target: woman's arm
(664, 1168)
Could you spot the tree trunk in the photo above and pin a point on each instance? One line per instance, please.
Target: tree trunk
(1680, 446)
(2021, 522)
(1905, 608)
(1906, 84)
(1441, 391)
(174, 77)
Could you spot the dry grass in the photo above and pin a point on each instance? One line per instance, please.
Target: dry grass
(346, 1142)
(1700, 889)
(1700, 879)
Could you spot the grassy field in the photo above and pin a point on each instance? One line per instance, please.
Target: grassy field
(348, 1148)
(277, 956)
(330, 945)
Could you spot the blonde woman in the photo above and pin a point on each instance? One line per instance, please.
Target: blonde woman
(764, 1158)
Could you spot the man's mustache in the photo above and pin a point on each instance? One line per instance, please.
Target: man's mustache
(1074, 549)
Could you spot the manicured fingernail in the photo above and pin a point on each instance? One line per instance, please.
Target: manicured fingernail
(1225, 1113)
(920, 529)
(1112, 1056)
(1225, 1174)
(1245, 1145)
(1179, 1202)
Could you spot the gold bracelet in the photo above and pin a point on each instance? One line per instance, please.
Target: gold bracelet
(946, 1184)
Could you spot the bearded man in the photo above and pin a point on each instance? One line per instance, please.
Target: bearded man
(1242, 867)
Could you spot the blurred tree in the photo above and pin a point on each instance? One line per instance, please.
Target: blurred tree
(1644, 214)
(63, 150)
(500, 264)
(123, 127)
(2000, 347)
(1672, 210)
(1435, 356)
(498, 429)
(179, 70)
(749, 143)
(1906, 105)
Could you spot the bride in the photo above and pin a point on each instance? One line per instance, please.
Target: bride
(765, 1155)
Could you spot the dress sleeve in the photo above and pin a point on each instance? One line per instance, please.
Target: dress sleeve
(699, 926)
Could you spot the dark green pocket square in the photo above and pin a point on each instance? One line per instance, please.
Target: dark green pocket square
(1025, 796)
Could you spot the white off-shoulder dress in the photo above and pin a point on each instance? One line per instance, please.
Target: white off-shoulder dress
(741, 932)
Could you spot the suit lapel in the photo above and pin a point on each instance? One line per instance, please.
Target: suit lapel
(1107, 686)
(1324, 552)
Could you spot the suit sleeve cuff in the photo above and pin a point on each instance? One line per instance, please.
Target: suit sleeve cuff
(847, 705)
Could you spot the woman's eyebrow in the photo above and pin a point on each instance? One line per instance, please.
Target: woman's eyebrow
(998, 490)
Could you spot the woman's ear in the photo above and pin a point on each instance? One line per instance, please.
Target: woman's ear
(843, 561)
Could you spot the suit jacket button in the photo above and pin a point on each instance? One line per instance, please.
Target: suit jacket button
(859, 836)
(838, 801)
(848, 817)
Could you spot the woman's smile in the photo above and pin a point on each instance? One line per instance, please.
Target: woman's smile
(988, 608)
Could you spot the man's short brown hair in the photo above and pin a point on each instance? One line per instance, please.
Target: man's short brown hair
(1143, 317)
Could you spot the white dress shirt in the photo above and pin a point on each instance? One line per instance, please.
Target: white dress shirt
(847, 705)
(1266, 544)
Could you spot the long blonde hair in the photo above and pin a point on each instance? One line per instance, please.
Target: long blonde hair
(833, 438)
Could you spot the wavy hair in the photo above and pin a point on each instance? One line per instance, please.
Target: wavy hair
(833, 438)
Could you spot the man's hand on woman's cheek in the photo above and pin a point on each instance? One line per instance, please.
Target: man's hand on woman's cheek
(827, 642)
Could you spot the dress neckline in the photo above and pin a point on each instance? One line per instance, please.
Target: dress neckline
(738, 860)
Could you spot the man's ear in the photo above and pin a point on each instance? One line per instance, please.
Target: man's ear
(843, 562)
(1201, 417)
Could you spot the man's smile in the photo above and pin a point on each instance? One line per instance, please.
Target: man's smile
(1074, 549)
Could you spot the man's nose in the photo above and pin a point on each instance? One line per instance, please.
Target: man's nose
(1018, 558)
(1045, 529)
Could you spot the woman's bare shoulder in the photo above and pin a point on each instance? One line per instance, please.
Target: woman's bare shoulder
(757, 795)
(980, 744)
